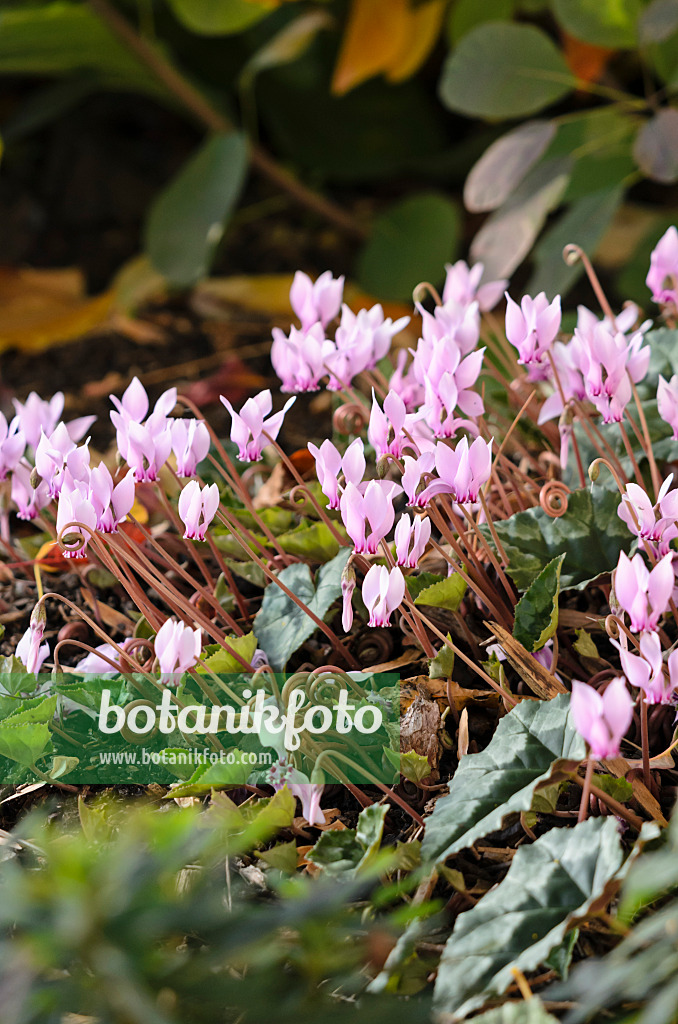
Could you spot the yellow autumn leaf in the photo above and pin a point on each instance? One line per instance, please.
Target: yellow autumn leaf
(39, 308)
(389, 37)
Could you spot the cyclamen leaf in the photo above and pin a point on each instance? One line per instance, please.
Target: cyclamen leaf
(522, 72)
(658, 22)
(24, 742)
(536, 618)
(446, 594)
(222, 661)
(609, 23)
(528, 1011)
(216, 17)
(280, 625)
(590, 533)
(503, 778)
(504, 164)
(549, 884)
(656, 146)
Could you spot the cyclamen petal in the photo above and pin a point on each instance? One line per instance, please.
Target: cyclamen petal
(248, 426)
(177, 648)
(383, 591)
(602, 721)
(197, 508)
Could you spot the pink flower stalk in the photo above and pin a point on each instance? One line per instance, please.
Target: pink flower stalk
(29, 500)
(197, 508)
(310, 793)
(75, 506)
(318, 301)
(643, 594)
(609, 362)
(667, 402)
(302, 359)
(177, 648)
(12, 445)
(373, 508)
(248, 426)
(662, 277)
(411, 539)
(413, 474)
(602, 720)
(111, 502)
(330, 464)
(462, 471)
(190, 444)
(655, 523)
(388, 428)
(532, 328)
(36, 415)
(646, 670)
(462, 285)
(383, 591)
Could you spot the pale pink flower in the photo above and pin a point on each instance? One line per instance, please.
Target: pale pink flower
(134, 404)
(248, 426)
(383, 591)
(177, 648)
(415, 470)
(94, 665)
(388, 428)
(190, 444)
(29, 500)
(310, 793)
(405, 384)
(75, 506)
(373, 508)
(302, 359)
(662, 277)
(646, 672)
(462, 471)
(318, 301)
(347, 588)
(655, 523)
(642, 593)
(330, 464)
(667, 402)
(111, 502)
(36, 414)
(462, 285)
(362, 339)
(602, 720)
(609, 362)
(197, 508)
(411, 539)
(12, 445)
(532, 328)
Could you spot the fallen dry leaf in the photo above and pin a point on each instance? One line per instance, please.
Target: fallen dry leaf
(40, 308)
(540, 680)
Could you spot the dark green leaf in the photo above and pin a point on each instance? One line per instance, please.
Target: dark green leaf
(410, 243)
(446, 594)
(503, 166)
(442, 665)
(280, 625)
(610, 23)
(23, 742)
(337, 853)
(656, 146)
(503, 777)
(517, 924)
(314, 541)
(590, 532)
(415, 584)
(187, 220)
(502, 70)
(218, 17)
(536, 618)
(508, 234)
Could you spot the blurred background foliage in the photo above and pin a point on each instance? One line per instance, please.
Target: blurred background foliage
(419, 130)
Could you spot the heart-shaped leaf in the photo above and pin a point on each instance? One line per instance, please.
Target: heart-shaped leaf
(536, 618)
(504, 164)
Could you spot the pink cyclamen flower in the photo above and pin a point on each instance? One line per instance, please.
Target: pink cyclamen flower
(134, 404)
(662, 277)
(12, 445)
(646, 670)
(644, 594)
(93, 664)
(415, 469)
(667, 402)
(462, 471)
(383, 591)
(374, 508)
(75, 506)
(330, 464)
(310, 793)
(462, 285)
(362, 339)
(197, 508)
(532, 328)
(387, 427)
(248, 426)
(29, 500)
(36, 415)
(347, 588)
(411, 539)
(302, 359)
(111, 502)
(190, 444)
(316, 301)
(177, 648)
(602, 720)
(654, 523)
(29, 650)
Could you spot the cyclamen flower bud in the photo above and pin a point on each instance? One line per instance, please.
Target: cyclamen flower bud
(197, 508)
(29, 650)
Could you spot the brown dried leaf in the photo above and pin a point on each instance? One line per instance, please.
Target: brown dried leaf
(40, 308)
(540, 680)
